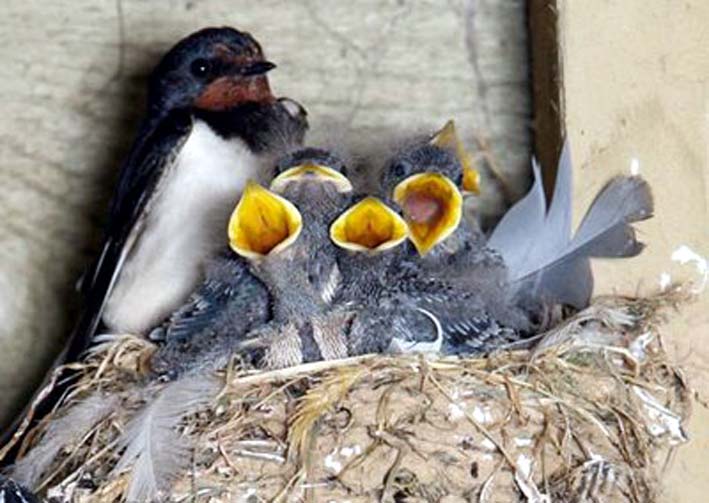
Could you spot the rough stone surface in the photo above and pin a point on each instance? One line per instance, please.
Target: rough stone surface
(72, 79)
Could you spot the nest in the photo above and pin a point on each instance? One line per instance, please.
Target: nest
(594, 410)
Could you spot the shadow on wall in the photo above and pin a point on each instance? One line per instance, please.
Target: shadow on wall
(111, 134)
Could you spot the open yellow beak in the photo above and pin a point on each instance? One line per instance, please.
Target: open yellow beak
(263, 223)
(432, 207)
(315, 171)
(369, 226)
(448, 138)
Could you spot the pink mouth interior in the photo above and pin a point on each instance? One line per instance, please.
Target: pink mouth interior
(422, 208)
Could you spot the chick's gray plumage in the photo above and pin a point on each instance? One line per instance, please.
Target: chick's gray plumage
(380, 311)
(306, 275)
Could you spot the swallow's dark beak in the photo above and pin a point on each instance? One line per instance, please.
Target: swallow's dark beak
(258, 68)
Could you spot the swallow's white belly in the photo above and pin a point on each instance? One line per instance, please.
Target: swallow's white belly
(187, 225)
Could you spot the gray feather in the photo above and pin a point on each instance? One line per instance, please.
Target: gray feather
(542, 258)
(154, 450)
(516, 234)
(556, 230)
(63, 432)
(604, 231)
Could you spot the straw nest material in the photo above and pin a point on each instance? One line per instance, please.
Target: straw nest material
(593, 411)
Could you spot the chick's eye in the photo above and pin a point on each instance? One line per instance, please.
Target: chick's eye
(399, 170)
(200, 67)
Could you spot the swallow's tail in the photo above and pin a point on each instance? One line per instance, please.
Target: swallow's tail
(62, 432)
(544, 261)
(155, 453)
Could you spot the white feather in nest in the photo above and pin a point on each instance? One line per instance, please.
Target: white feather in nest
(63, 432)
(154, 450)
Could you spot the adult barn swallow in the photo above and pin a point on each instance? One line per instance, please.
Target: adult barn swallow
(211, 124)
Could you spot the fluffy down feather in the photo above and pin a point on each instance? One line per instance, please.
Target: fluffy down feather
(155, 453)
(62, 432)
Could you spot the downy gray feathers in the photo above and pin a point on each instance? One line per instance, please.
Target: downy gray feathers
(154, 450)
(63, 432)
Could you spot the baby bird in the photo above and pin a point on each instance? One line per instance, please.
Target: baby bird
(488, 294)
(301, 272)
(452, 274)
(369, 235)
(280, 272)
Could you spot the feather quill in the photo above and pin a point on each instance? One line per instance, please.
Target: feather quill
(543, 260)
(155, 453)
(61, 433)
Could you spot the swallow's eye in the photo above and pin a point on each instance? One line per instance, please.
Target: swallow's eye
(399, 170)
(200, 67)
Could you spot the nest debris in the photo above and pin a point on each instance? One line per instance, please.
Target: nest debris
(594, 410)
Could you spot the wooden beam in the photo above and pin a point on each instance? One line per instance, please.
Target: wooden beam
(547, 105)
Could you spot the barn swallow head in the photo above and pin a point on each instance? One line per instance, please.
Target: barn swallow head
(212, 69)
(369, 226)
(263, 223)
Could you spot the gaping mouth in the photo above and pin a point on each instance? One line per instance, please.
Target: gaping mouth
(369, 226)
(448, 138)
(314, 171)
(263, 223)
(432, 207)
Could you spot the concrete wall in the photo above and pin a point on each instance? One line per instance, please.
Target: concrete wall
(635, 89)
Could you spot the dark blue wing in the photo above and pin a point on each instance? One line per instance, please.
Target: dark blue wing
(152, 155)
